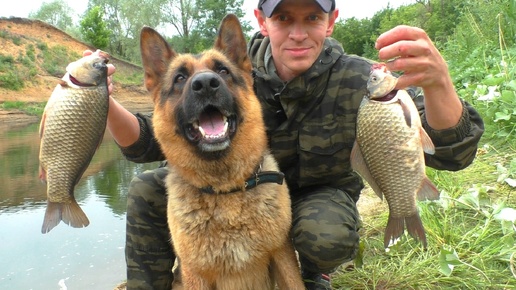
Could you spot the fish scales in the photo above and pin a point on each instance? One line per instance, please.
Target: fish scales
(72, 128)
(388, 146)
(389, 153)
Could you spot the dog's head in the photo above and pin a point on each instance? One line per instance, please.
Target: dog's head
(204, 104)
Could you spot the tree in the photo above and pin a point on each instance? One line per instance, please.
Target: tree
(209, 16)
(56, 13)
(180, 16)
(125, 18)
(93, 28)
(354, 34)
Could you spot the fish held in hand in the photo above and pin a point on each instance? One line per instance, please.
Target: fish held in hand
(389, 153)
(71, 129)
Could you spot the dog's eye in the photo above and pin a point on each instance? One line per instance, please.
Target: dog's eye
(179, 78)
(223, 71)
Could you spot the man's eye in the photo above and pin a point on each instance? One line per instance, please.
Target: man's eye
(313, 17)
(282, 18)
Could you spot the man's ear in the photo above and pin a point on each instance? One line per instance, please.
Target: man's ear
(260, 17)
(332, 17)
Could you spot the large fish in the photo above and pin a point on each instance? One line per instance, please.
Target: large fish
(71, 130)
(389, 153)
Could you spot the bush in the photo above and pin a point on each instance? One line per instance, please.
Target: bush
(11, 81)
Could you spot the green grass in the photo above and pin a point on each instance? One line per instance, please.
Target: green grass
(471, 230)
(20, 71)
(33, 109)
(469, 246)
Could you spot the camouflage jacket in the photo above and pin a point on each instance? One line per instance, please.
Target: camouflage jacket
(311, 121)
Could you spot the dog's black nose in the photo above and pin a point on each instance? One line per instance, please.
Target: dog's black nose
(205, 83)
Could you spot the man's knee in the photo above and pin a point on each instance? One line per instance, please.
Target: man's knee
(325, 229)
(146, 212)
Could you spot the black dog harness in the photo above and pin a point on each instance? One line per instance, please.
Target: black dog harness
(258, 178)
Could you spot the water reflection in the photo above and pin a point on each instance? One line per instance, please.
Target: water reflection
(88, 258)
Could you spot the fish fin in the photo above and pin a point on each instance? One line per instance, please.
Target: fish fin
(428, 191)
(52, 216)
(42, 174)
(359, 165)
(42, 124)
(415, 228)
(428, 145)
(396, 226)
(393, 230)
(70, 213)
(406, 112)
(73, 215)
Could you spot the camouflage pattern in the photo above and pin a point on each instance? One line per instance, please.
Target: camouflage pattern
(311, 123)
(311, 128)
(311, 119)
(325, 224)
(149, 254)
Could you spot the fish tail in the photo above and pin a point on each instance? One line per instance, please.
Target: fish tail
(69, 212)
(52, 216)
(394, 230)
(396, 226)
(415, 228)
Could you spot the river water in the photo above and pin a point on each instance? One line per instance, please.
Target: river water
(66, 257)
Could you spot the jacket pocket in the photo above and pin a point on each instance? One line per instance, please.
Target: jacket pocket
(324, 151)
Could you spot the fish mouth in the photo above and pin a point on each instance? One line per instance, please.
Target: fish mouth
(212, 130)
(97, 65)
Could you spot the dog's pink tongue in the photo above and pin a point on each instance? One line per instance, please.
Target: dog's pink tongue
(212, 123)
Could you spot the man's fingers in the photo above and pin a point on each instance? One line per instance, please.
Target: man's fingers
(87, 52)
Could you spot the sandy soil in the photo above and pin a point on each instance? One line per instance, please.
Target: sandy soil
(18, 34)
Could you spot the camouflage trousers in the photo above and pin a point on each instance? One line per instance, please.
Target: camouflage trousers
(325, 227)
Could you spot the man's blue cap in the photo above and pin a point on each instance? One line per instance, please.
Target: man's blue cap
(268, 6)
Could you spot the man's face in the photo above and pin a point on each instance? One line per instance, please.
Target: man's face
(296, 30)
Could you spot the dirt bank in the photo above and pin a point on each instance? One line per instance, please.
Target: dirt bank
(18, 35)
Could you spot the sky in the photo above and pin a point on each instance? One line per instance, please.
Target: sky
(358, 9)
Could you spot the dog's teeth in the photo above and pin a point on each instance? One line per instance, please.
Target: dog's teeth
(226, 124)
(195, 125)
(201, 130)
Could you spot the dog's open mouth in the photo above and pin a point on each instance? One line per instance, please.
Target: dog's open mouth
(212, 130)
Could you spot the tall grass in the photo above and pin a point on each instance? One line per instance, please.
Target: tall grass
(471, 230)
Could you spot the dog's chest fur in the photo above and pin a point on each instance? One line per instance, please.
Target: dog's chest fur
(228, 226)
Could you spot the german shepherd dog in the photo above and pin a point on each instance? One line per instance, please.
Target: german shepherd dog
(228, 208)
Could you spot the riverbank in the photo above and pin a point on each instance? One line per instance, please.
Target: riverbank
(133, 98)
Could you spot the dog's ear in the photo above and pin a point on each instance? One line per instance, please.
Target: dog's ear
(156, 55)
(231, 41)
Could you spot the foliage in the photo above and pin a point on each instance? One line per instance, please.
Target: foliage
(33, 109)
(483, 64)
(93, 28)
(209, 15)
(354, 34)
(56, 58)
(56, 13)
(471, 236)
(471, 232)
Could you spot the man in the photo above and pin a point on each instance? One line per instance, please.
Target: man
(310, 91)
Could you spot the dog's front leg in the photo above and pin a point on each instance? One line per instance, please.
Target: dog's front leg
(190, 281)
(285, 268)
